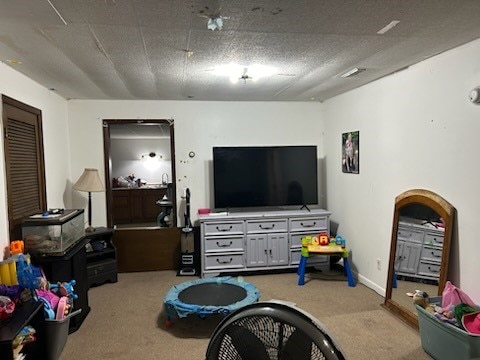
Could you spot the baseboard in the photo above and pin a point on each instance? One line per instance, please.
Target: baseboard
(371, 285)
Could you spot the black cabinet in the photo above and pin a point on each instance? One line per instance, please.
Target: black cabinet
(101, 257)
(71, 265)
(28, 313)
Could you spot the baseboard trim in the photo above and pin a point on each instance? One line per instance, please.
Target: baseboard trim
(370, 284)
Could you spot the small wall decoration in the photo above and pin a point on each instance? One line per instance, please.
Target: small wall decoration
(350, 152)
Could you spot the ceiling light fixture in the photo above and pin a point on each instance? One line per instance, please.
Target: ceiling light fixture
(354, 71)
(215, 22)
(388, 27)
(238, 72)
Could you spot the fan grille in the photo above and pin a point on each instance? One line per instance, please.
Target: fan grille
(264, 337)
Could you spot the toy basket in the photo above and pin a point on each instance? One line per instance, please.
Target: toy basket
(56, 334)
(444, 341)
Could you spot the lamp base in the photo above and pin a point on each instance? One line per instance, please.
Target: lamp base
(90, 229)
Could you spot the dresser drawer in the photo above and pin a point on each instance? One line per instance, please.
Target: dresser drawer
(433, 239)
(264, 226)
(223, 228)
(432, 253)
(224, 261)
(410, 235)
(309, 224)
(429, 269)
(231, 243)
(99, 267)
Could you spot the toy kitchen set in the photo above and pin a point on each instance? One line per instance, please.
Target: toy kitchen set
(53, 232)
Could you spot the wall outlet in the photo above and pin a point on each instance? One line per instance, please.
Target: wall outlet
(379, 264)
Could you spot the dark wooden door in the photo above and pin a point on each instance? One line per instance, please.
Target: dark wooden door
(24, 162)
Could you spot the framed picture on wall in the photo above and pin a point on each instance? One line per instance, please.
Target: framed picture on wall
(351, 152)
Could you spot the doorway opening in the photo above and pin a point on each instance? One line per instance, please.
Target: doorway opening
(140, 173)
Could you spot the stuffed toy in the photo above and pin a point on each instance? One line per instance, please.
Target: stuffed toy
(421, 298)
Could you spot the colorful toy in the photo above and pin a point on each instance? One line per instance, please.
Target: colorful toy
(16, 247)
(331, 248)
(340, 241)
(64, 289)
(323, 239)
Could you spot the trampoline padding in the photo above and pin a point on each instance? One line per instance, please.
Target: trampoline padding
(219, 295)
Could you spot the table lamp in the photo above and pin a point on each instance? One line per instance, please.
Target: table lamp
(89, 182)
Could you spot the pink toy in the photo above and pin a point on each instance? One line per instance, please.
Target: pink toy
(49, 296)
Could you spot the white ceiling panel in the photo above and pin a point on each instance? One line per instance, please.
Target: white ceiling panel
(162, 49)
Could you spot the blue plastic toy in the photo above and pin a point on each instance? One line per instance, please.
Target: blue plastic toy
(64, 289)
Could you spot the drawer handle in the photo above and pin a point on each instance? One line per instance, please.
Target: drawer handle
(435, 255)
(225, 228)
(225, 262)
(224, 245)
(267, 227)
(433, 270)
(308, 225)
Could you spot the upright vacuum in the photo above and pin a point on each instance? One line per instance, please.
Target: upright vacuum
(187, 243)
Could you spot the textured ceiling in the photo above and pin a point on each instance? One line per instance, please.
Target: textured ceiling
(139, 49)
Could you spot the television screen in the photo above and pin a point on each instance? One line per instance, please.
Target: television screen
(265, 176)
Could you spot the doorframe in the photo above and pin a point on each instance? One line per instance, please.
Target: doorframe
(108, 162)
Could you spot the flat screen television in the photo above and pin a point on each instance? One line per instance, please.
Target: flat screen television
(265, 176)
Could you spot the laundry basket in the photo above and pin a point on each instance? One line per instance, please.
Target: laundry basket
(445, 341)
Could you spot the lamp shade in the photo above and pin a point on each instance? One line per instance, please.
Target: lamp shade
(89, 181)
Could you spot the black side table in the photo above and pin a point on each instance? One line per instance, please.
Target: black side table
(101, 257)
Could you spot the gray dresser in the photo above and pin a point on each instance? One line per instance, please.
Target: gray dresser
(256, 241)
(419, 249)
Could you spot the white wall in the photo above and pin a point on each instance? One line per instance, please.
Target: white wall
(417, 130)
(198, 127)
(55, 138)
(126, 159)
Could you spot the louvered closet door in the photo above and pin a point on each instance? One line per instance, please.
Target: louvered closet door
(24, 163)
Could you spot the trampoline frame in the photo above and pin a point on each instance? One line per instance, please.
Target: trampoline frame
(174, 306)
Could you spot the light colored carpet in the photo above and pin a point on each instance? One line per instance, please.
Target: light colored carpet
(127, 320)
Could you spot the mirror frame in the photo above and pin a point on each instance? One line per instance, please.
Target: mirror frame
(445, 210)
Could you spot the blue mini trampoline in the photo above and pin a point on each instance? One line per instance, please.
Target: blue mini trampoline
(218, 295)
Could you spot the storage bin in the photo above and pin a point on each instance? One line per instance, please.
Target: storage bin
(53, 235)
(56, 334)
(444, 341)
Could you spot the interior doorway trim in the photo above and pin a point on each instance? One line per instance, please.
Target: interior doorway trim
(107, 123)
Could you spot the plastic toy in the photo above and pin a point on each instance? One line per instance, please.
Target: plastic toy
(323, 239)
(63, 308)
(64, 289)
(340, 241)
(29, 276)
(16, 247)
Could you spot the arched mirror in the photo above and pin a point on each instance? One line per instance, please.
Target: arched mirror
(419, 251)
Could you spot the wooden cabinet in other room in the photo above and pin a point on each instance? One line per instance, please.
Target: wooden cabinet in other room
(136, 205)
